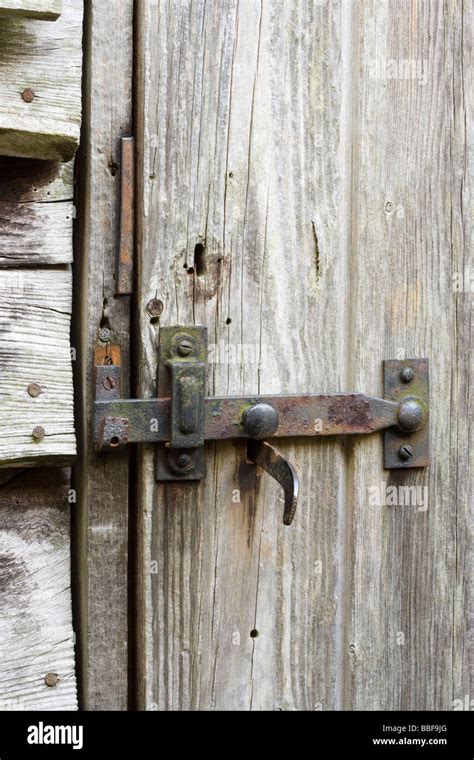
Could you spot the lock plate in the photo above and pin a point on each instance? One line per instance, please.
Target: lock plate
(404, 380)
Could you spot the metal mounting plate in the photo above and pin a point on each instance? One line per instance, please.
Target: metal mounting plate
(404, 379)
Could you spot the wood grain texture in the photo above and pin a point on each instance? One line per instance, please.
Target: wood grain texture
(242, 155)
(46, 59)
(49, 10)
(35, 315)
(35, 233)
(36, 636)
(101, 527)
(409, 567)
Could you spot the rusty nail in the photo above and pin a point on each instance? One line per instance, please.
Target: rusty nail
(185, 347)
(154, 307)
(28, 95)
(109, 383)
(405, 452)
(105, 334)
(39, 433)
(34, 389)
(51, 679)
(407, 374)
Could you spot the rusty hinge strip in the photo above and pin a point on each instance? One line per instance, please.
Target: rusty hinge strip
(124, 269)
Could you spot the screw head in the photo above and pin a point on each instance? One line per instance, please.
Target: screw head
(410, 415)
(39, 433)
(155, 307)
(407, 374)
(185, 347)
(183, 461)
(34, 390)
(109, 383)
(405, 452)
(28, 95)
(180, 462)
(105, 334)
(51, 679)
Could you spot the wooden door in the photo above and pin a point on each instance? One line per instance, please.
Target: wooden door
(303, 192)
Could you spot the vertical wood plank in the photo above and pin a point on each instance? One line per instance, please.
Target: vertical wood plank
(101, 528)
(242, 201)
(406, 636)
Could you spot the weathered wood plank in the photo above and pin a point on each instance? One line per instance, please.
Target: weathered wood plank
(40, 88)
(407, 640)
(102, 481)
(48, 10)
(242, 228)
(35, 314)
(36, 233)
(36, 635)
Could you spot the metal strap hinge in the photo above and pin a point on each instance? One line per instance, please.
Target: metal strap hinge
(182, 418)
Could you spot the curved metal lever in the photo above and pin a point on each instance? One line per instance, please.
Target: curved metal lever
(270, 460)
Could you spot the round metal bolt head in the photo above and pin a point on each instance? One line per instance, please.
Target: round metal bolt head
(51, 679)
(183, 460)
(155, 307)
(34, 390)
(410, 415)
(405, 452)
(260, 421)
(180, 462)
(28, 95)
(185, 347)
(109, 383)
(105, 334)
(407, 374)
(39, 433)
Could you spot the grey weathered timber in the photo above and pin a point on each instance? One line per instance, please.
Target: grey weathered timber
(48, 10)
(35, 316)
(102, 482)
(36, 636)
(242, 155)
(407, 644)
(40, 87)
(304, 192)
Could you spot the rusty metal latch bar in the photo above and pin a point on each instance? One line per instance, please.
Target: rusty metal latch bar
(182, 418)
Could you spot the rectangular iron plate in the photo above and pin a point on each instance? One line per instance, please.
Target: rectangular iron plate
(396, 390)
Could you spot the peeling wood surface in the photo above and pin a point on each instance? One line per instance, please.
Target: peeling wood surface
(329, 205)
(40, 89)
(102, 481)
(49, 10)
(39, 233)
(35, 315)
(36, 635)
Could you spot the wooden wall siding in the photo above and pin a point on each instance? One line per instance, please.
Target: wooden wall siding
(331, 202)
(45, 59)
(36, 637)
(101, 527)
(49, 10)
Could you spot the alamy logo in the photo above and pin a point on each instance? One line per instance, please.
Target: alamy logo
(399, 496)
(42, 734)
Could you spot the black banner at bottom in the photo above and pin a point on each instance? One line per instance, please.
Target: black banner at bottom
(97, 734)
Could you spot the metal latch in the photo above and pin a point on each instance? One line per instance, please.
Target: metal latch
(182, 418)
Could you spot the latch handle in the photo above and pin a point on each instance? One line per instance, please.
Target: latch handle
(270, 460)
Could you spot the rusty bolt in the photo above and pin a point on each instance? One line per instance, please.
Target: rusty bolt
(51, 679)
(28, 95)
(39, 433)
(405, 452)
(185, 347)
(154, 307)
(105, 334)
(183, 461)
(34, 390)
(109, 383)
(407, 374)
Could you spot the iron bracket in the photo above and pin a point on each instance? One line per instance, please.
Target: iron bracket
(182, 418)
